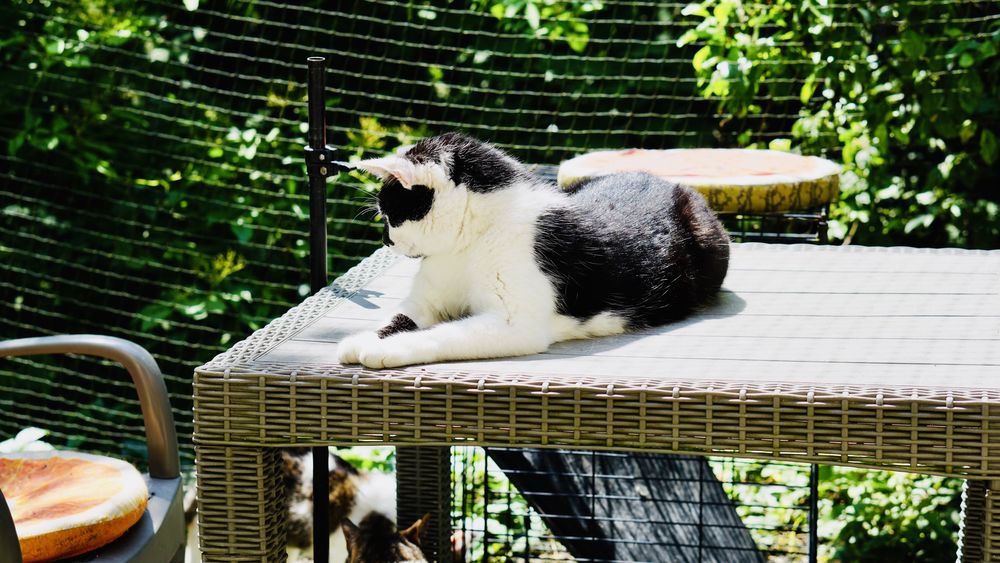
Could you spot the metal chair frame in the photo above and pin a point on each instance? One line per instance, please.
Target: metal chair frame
(159, 536)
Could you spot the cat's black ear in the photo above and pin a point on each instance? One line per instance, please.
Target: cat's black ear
(392, 166)
(413, 532)
(482, 167)
(342, 464)
(351, 533)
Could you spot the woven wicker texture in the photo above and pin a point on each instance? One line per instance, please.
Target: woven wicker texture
(991, 526)
(851, 356)
(241, 510)
(971, 532)
(419, 482)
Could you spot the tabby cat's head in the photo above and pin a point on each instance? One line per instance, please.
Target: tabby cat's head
(430, 190)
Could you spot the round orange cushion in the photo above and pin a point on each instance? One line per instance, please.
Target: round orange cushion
(68, 503)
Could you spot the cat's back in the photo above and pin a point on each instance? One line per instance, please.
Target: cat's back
(647, 210)
(630, 197)
(634, 244)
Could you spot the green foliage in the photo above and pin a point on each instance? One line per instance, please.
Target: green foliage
(883, 516)
(369, 458)
(501, 525)
(86, 132)
(864, 515)
(135, 201)
(771, 500)
(731, 66)
(545, 19)
(153, 188)
(903, 96)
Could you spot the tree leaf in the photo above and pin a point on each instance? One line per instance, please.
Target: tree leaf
(988, 146)
(243, 233)
(695, 10)
(698, 61)
(783, 145)
(808, 88)
(913, 44)
(532, 15)
(968, 130)
(924, 220)
(987, 49)
(970, 91)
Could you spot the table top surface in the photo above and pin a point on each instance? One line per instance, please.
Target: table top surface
(795, 314)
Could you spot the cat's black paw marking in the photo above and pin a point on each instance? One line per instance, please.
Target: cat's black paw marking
(399, 323)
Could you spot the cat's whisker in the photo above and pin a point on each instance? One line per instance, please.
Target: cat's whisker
(367, 210)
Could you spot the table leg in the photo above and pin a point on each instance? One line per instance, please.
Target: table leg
(423, 485)
(991, 549)
(971, 532)
(241, 509)
(979, 534)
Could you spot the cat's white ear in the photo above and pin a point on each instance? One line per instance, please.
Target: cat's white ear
(391, 166)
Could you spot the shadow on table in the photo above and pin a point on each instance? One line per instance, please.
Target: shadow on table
(726, 304)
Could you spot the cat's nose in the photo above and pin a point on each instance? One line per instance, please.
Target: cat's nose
(385, 237)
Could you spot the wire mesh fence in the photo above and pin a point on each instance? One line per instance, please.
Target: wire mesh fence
(151, 179)
(601, 506)
(152, 184)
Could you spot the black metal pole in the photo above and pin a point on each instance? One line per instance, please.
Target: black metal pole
(317, 176)
(318, 155)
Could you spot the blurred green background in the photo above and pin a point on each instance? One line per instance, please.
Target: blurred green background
(152, 184)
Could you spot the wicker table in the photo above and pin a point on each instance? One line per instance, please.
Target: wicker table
(883, 358)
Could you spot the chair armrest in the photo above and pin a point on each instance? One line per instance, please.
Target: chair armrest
(161, 435)
(9, 546)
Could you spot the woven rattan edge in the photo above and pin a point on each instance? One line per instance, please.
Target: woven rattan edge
(927, 430)
(242, 508)
(421, 378)
(298, 317)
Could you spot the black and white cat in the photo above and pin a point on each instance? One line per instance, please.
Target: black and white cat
(511, 264)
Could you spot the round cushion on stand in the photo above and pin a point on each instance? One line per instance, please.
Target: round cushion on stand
(732, 180)
(66, 503)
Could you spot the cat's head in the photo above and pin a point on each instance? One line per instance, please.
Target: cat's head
(429, 190)
(376, 540)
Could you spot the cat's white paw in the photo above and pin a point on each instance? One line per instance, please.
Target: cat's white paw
(349, 349)
(392, 353)
(386, 355)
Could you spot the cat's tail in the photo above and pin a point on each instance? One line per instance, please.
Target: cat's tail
(708, 247)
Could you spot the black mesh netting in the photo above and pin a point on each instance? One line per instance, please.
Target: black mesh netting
(151, 176)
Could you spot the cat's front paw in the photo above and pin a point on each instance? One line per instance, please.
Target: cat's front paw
(395, 352)
(349, 350)
(385, 354)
